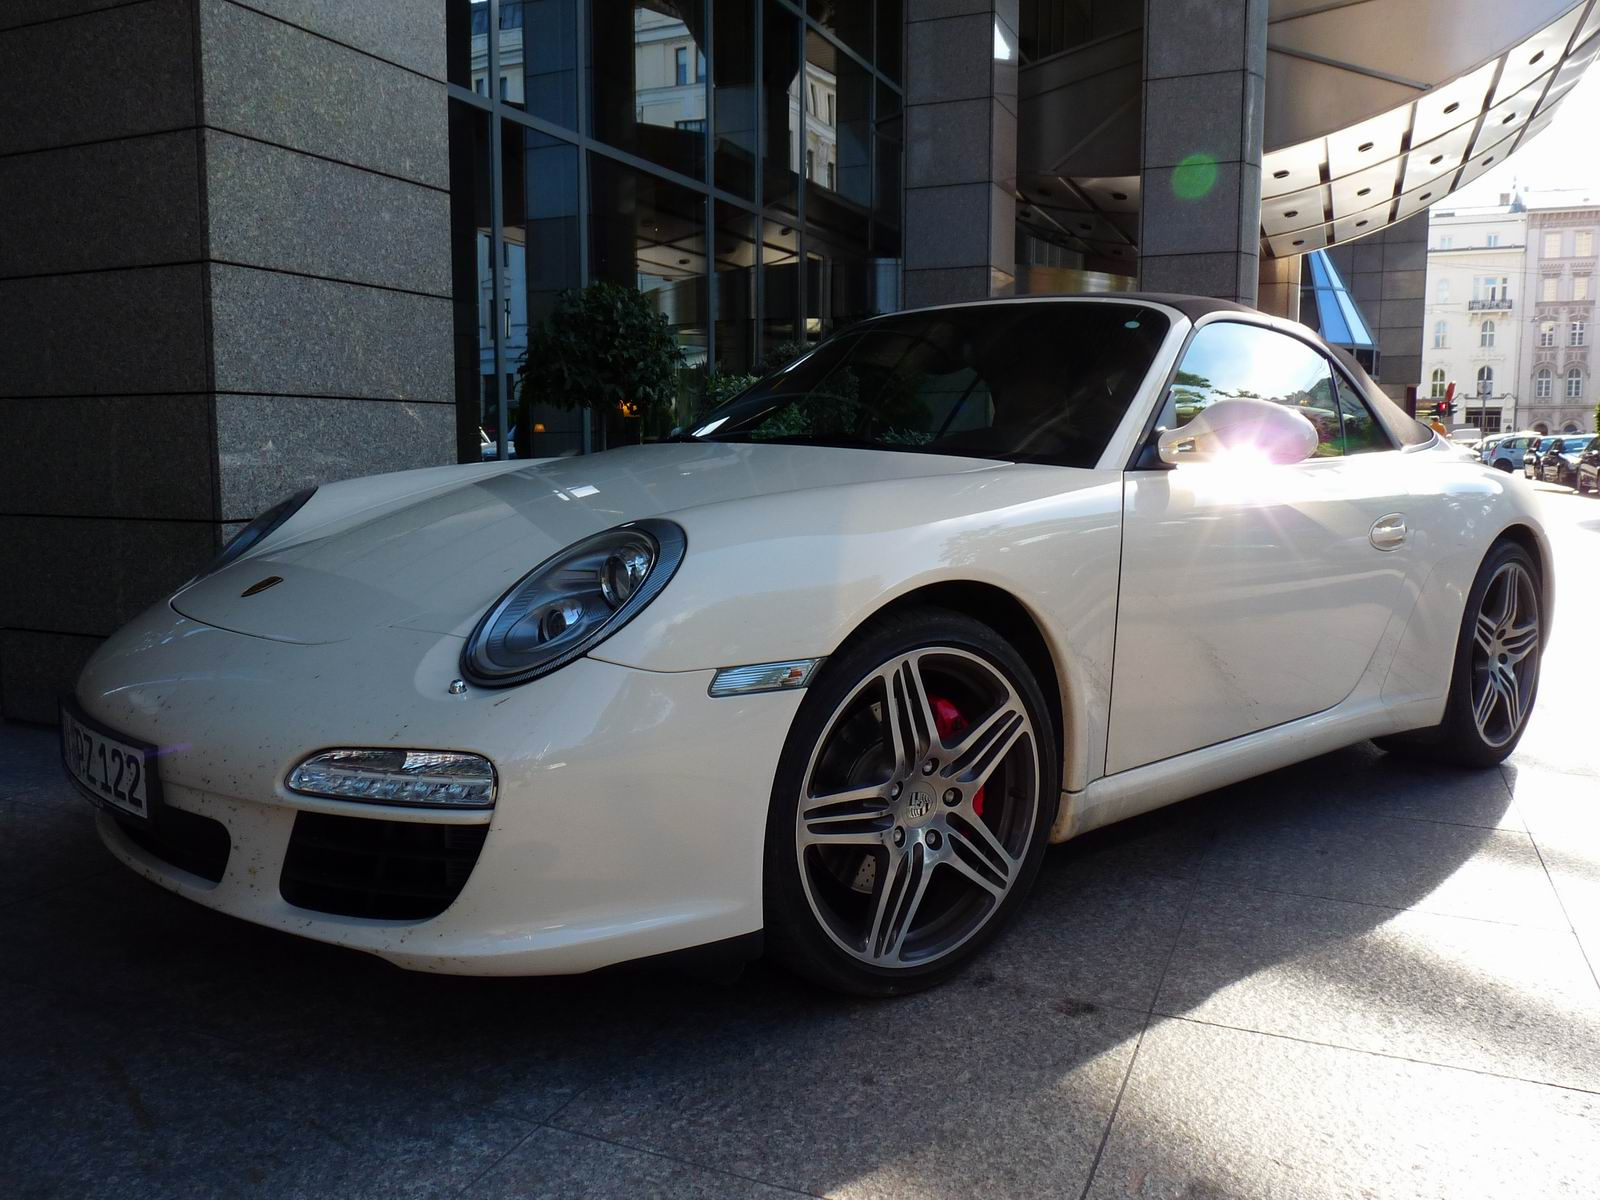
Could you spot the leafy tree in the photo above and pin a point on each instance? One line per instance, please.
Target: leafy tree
(606, 349)
(1597, 418)
(780, 356)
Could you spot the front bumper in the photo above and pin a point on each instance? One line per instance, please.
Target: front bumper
(629, 822)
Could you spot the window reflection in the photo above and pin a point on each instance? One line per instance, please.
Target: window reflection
(783, 152)
(781, 332)
(538, 58)
(734, 94)
(648, 80)
(735, 288)
(539, 259)
(649, 233)
(791, 118)
(471, 283)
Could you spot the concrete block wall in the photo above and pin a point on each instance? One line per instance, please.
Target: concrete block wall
(226, 275)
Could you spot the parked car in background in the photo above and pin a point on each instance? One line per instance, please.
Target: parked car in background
(1506, 452)
(1530, 460)
(1559, 463)
(1589, 470)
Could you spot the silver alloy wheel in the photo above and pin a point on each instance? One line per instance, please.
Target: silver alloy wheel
(1505, 654)
(908, 842)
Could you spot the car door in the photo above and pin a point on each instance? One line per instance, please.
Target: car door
(1252, 594)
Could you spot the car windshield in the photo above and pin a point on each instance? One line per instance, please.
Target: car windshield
(1574, 445)
(1030, 382)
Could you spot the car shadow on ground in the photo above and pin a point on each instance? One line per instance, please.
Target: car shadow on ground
(159, 1048)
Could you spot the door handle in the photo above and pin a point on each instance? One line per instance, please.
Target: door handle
(1389, 532)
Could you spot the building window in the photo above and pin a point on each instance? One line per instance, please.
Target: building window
(1490, 287)
(1492, 240)
(1441, 334)
(1549, 289)
(1552, 245)
(1485, 381)
(1547, 334)
(1446, 242)
(1575, 383)
(1542, 379)
(1443, 291)
(1579, 329)
(1583, 244)
(612, 96)
(1580, 287)
(1486, 335)
(1436, 384)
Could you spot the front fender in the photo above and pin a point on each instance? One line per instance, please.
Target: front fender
(793, 576)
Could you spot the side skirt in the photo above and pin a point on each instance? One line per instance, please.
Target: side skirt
(1126, 794)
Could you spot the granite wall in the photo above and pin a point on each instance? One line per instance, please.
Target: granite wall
(226, 275)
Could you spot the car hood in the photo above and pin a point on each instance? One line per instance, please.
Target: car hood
(365, 553)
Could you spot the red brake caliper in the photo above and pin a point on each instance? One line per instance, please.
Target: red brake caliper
(948, 722)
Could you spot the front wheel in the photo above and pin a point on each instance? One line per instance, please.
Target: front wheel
(1496, 673)
(912, 805)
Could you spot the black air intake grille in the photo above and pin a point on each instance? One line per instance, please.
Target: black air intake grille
(392, 870)
(184, 839)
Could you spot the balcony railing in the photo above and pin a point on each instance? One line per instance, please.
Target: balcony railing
(1502, 304)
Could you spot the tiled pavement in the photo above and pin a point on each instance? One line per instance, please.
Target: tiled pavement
(1351, 978)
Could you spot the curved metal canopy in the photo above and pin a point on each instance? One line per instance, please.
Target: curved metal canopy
(1363, 128)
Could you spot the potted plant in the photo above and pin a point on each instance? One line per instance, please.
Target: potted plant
(605, 349)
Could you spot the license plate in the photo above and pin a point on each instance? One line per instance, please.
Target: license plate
(114, 773)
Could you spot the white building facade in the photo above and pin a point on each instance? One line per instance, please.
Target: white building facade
(1473, 331)
(1560, 277)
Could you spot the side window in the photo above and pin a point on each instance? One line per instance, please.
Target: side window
(1228, 360)
(1362, 433)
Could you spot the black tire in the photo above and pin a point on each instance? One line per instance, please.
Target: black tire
(797, 934)
(1457, 739)
(1503, 464)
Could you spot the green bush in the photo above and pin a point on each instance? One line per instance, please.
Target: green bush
(606, 349)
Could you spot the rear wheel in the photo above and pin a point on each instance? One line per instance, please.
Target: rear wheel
(912, 805)
(1496, 672)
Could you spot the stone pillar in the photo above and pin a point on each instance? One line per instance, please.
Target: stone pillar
(961, 150)
(226, 276)
(1200, 201)
(1279, 286)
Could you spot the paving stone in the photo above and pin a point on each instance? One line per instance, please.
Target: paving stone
(1476, 994)
(1216, 1113)
(1087, 937)
(977, 1088)
(44, 846)
(555, 1164)
(113, 1100)
(1493, 874)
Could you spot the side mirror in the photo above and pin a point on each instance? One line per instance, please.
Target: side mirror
(1242, 429)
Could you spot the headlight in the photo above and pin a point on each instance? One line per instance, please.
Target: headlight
(572, 602)
(415, 777)
(257, 531)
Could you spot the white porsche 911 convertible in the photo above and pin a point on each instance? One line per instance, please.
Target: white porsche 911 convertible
(828, 672)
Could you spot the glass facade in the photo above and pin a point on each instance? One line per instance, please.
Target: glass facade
(737, 161)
